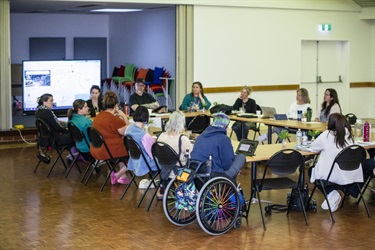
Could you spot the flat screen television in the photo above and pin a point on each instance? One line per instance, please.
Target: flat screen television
(66, 80)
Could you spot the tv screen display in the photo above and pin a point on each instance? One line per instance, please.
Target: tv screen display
(66, 80)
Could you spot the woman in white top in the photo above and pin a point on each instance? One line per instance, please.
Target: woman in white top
(330, 143)
(329, 106)
(180, 143)
(302, 103)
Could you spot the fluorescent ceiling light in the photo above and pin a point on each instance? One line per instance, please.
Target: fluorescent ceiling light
(116, 10)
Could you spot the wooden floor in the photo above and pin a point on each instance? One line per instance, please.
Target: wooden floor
(58, 213)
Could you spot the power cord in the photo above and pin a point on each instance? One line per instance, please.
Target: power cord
(19, 131)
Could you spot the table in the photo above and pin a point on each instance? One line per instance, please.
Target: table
(282, 123)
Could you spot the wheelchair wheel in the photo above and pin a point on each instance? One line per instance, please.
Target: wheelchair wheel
(179, 217)
(218, 206)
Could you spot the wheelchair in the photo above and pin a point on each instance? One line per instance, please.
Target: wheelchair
(217, 205)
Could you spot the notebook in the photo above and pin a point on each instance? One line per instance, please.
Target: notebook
(268, 112)
(280, 117)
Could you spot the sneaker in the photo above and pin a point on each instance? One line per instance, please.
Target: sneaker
(334, 199)
(263, 138)
(113, 178)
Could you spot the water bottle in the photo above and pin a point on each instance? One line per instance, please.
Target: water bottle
(299, 115)
(126, 109)
(186, 157)
(209, 164)
(366, 131)
(299, 137)
(358, 128)
(309, 114)
(304, 139)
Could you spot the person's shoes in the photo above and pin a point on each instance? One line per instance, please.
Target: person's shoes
(334, 199)
(262, 138)
(123, 180)
(44, 158)
(160, 193)
(113, 178)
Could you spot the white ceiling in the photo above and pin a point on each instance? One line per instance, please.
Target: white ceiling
(45, 6)
(65, 7)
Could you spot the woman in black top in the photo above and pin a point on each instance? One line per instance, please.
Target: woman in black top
(247, 105)
(96, 99)
(45, 113)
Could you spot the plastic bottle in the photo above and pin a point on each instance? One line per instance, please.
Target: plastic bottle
(299, 137)
(299, 115)
(366, 131)
(304, 139)
(358, 128)
(209, 164)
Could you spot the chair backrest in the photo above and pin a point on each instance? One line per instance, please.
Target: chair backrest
(77, 134)
(285, 162)
(134, 150)
(349, 159)
(199, 124)
(43, 128)
(165, 155)
(142, 73)
(97, 140)
(351, 118)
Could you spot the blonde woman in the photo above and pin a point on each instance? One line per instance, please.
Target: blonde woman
(174, 138)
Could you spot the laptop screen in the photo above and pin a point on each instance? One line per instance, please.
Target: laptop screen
(268, 112)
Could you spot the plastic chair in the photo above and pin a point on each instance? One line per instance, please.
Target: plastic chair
(135, 153)
(282, 164)
(199, 124)
(349, 159)
(97, 141)
(45, 133)
(78, 137)
(351, 118)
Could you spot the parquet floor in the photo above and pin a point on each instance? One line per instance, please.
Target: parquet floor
(37, 212)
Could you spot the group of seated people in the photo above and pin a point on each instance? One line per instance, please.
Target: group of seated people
(113, 124)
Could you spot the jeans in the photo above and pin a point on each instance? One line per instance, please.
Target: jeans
(237, 164)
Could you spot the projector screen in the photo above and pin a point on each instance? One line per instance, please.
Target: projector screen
(66, 80)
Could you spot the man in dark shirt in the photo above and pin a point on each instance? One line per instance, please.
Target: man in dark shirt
(140, 97)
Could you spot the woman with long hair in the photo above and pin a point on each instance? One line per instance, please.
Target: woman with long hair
(330, 143)
(196, 100)
(329, 105)
(95, 100)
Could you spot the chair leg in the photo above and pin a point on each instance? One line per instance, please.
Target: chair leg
(329, 206)
(363, 200)
(153, 196)
(111, 169)
(148, 187)
(72, 164)
(364, 189)
(37, 166)
(90, 174)
(251, 199)
(261, 210)
(303, 207)
(126, 189)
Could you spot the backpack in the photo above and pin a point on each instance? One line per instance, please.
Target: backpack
(221, 108)
(295, 204)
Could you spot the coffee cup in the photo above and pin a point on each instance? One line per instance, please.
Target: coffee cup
(259, 112)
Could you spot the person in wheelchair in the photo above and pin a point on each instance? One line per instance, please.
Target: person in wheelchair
(214, 141)
(173, 137)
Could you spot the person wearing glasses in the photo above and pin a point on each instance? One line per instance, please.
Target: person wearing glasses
(329, 106)
(142, 98)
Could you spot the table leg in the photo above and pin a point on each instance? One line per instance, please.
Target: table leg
(269, 134)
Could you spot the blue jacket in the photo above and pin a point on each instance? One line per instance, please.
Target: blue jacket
(139, 166)
(214, 140)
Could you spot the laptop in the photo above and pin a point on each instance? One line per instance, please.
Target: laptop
(247, 147)
(268, 112)
(280, 117)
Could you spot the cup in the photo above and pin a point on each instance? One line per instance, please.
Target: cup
(241, 110)
(150, 111)
(259, 112)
